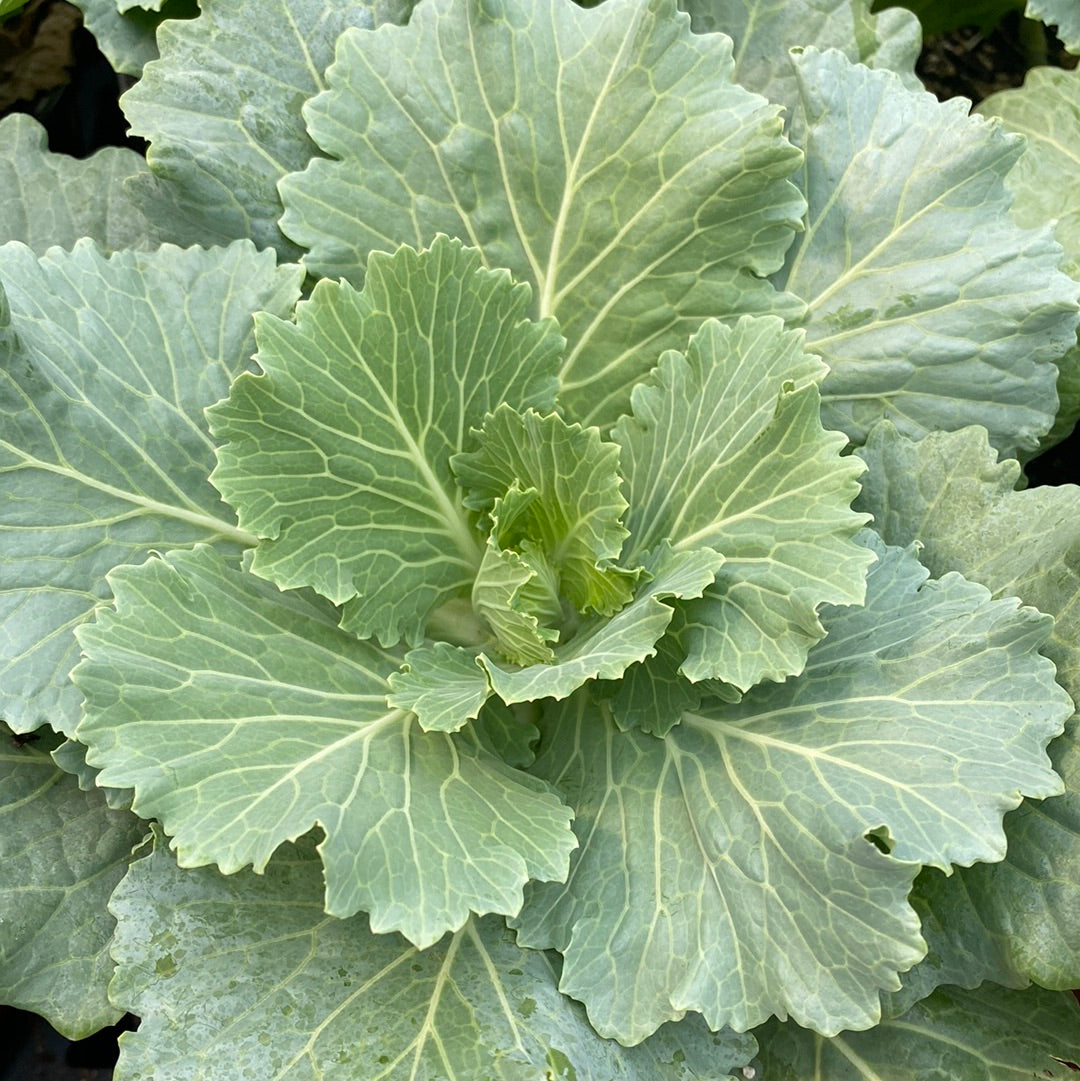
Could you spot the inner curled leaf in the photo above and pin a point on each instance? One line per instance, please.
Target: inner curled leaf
(551, 491)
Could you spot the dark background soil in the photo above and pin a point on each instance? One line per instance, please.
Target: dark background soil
(50, 67)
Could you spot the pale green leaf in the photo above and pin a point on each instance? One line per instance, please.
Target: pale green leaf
(445, 691)
(725, 450)
(221, 109)
(1046, 111)
(990, 1034)
(104, 453)
(338, 456)
(950, 493)
(1062, 15)
(247, 973)
(604, 647)
(604, 155)
(442, 684)
(62, 851)
(1016, 921)
(55, 199)
(575, 516)
(764, 31)
(737, 859)
(243, 717)
(128, 38)
(517, 597)
(931, 306)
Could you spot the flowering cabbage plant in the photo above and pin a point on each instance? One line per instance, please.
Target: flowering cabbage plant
(514, 554)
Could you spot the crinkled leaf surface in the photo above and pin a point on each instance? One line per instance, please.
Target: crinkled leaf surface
(339, 454)
(764, 31)
(931, 306)
(949, 492)
(1046, 110)
(725, 450)
(55, 199)
(128, 37)
(445, 692)
(299, 995)
(1015, 921)
(603, 155)
(575, 516)
(243, 717)
(104, 453)
(990, 1034)
(733, 858)
(1063, 15)
(62, 851)
(221, 109)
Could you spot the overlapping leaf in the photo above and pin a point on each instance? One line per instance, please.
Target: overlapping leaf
(603, 155)
(725, 450)
(737, 859)
(221, 109)
(574, 514)
(104, 453)
(764, 31)
(55, 199)
(243, 717)
(338, 456)
(299, 995)
(128, 36)
(61, 854)
(929, 304)
(1046, 111)
(445, 687)
(987, 1033)
(951, 494)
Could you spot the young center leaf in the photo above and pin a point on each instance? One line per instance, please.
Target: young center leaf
(243, 717)
(338, 455)
(104, 454)
(604, 155)
(757, 859)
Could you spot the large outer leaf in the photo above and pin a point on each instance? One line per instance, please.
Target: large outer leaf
(54, 199)
(243, 717)
(1063, 15)
(1046, 110)
(603, 155)
(929, 304)
(950, 493)
(221, 109)
(248, 970)
(764, 31)
(725, 450)
(128, 38)
(986, 1035)
(735, 858)
(104, 453)
(62, 852)
(339, 455)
